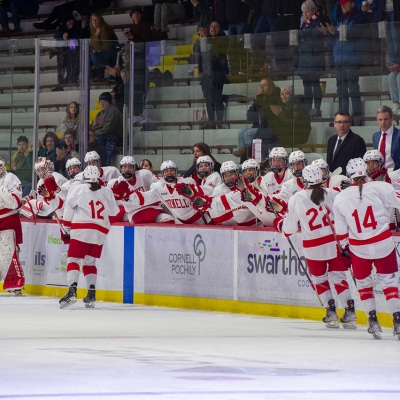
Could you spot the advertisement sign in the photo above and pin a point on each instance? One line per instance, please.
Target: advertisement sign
(188, 262)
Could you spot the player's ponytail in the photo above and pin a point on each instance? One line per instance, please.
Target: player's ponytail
(360, 181)
(317, 194)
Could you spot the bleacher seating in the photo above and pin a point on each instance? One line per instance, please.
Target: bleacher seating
(174, 106)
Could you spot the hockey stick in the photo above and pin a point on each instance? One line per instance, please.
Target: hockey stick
(337, 171)
(396, 219)
(62, 228)
(303, 268)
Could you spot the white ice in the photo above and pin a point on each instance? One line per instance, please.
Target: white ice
(136, 352)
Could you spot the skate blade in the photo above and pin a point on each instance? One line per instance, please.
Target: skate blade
(15, 292)
(349, 325)
(89, 305)
(65, 304)
(332, 324)
(376, 335)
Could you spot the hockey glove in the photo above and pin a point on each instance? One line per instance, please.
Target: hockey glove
(278, 224)
(121, 190)
(345, 184)
(186, 190)
(201, 202)
(49, 188)
(276, 205)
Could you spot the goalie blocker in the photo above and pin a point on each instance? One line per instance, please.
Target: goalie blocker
(10, 268)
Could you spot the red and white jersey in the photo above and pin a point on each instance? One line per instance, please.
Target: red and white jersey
(13, 185)
(179, 206)
(141, 182)
(210, 183)
(271, 183)
(365, 222)
(87, 214)
(227, 207)
(318, 239)
(289, 188)
(106, 174)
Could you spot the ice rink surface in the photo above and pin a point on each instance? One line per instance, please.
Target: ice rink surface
(120, 351)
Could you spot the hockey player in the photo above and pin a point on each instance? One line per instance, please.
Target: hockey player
(251, 171)
(87, 220)
(10, 231)
(165, 190)
(362, 219)
(329, 180)
(297, 162)
(209, 178)
(311, 210)
(272, 182)
(106, 173)
(136, 180)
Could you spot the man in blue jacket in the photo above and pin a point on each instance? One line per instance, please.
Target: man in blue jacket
(387, 140)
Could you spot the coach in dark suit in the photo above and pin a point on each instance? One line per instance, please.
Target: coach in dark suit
(345, 145)
(384, 116)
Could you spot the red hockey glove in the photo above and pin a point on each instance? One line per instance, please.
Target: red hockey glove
(49, 188)
(276, 205)
(278, 224)
(121, 190)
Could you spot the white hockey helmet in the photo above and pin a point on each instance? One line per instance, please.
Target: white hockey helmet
(229, 166)
(251, 163)
(356, 168)
(205, 159)
(312, 175)
(168, 164)
(72, 162)
(374, 155)
(127, 160)
(2, 167)
(92, 156)
(297, 155)
(43, 165)
(91, 174)
(278, 152)
(321, 163)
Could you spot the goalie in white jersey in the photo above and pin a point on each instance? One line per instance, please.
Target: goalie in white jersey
(134, 180)
(362, 219)
(87, 213)
(311, 209)
(10, 231)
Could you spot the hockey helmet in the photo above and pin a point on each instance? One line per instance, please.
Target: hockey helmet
(209, 161)
(92, 156)
(43, 165)
(127, 160)
(356, 168)
(251, 164)
(229, 166)
(73, 162)
(278, 152)
(321, 163)
(91, 174)
(296, 156)
(374, 155)
(169, 164)
(130, 166)
(312, 175)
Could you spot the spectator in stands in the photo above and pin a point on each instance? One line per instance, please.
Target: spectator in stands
(48, 146)
(258, 113)
(104, 43)
(66, 149)
(68, 56)
(348, 54)
(17, 8)
(21, 164)
(94, 145)
(140, 31)
(166, 11)
(71, 119)
(108, 126)
(311, 57)
(146, 164)
(118, 91)
(200, 149)
(114, 71)
(345, 145)
(213, 65)
(72, 148)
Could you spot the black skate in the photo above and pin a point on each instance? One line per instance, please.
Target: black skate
(70, 297)
(90, 299)
(331, 318)
(374, 328)
(396, 324)
(16, 292)
(349, 317)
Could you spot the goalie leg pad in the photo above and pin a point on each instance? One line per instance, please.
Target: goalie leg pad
(7, 245)
(15, 278)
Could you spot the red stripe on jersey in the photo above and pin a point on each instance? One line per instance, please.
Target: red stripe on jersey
(192, 219)
(66, 223)
(78, 249)
(88, 225)
(225, 202)
(342, 237)
(223, 218)
(16, 198)
(384, 235)
(140, 197)
(318, 241)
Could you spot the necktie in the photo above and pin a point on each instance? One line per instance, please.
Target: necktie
(339, 142)
(382, 145)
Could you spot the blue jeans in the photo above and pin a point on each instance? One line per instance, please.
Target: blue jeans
(392, 38)
(394, 85)
(107, 145)
(246, 136)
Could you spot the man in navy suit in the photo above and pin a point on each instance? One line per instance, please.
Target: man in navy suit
(345, 145)
(384, 116)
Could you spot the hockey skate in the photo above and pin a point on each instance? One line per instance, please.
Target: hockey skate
(70, 297)
(349, 317)
(331, 318)
(396, 324)
(374, 328)
(90, 299)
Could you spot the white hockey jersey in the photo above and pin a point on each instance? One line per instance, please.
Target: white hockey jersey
(271, 183)
(318, 239)
(210, 183)
(12, 185)
(179, 206)
(289, 188)
(106, 174)
(365, 222)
